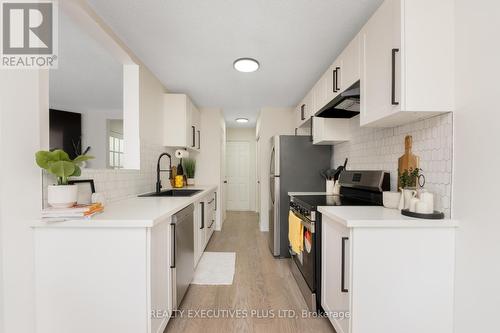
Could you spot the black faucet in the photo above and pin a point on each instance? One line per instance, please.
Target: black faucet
(158, 181)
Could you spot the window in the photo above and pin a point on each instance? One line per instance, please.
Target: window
(116, 150)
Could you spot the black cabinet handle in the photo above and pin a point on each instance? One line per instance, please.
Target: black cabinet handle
(174, 246)
(312, 125)
(302, 112)
(215, 197)
(337, 72)
(334, 80)
(202, 215)
(342, 277)
(194, 136)
(393, 80)
(199, 139)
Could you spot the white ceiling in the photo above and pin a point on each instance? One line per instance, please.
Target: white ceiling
(190, 45)
(88, 78)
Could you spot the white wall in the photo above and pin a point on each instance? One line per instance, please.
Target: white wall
(95, 135)
(24, 125)
(94, 132)
(210, 161)
(380, 148)
(271, 121)
(23, 131)
(120, 184)
(476, 161)
(1, 227)
(247, 135)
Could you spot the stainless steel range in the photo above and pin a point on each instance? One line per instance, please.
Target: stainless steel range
(358, 188)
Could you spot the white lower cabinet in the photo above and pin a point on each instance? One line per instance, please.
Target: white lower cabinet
(388, 279)
(199, 230)
(210, 216)
(334, 281)
(161, 277)
(103, 279)
(204, 224)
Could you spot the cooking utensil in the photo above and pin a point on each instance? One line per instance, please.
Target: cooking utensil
(337, 172)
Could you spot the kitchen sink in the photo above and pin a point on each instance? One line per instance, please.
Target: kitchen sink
(172, 193)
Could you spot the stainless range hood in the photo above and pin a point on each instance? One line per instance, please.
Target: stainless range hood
(344, 105)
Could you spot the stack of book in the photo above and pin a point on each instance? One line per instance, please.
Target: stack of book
(75, 212)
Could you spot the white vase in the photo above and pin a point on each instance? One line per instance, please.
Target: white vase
(62, 196)
(190, 181)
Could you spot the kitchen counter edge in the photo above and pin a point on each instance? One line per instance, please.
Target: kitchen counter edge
(155, 210)
(379, 217)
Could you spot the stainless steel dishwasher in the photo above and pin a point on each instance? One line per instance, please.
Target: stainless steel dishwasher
(182, 261)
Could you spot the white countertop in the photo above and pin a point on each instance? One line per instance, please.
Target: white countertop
(375, 216)
(134, 212)
(379, 217)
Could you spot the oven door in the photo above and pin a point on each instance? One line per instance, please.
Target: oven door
(306, 260)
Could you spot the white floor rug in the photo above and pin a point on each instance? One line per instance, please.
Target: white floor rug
(215, 268)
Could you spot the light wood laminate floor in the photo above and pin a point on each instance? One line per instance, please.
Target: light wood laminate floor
(261, 283)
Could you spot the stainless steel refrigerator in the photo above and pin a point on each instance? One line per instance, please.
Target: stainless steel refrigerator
(295, 167)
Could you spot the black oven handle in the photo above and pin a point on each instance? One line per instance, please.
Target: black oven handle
(309, 225)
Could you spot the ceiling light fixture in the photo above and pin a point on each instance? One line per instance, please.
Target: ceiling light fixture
(246, 65)
(241, 120)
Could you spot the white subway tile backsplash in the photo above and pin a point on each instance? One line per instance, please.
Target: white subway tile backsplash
(380, 148)
(120, 184)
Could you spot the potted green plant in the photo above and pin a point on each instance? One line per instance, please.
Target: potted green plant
(59, 164)
(190, 170)
(408, 185)
(408, 178)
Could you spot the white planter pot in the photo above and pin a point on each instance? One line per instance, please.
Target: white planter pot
(190, 181)
(62, 196)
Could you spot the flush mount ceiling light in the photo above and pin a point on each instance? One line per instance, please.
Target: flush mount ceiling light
(242, 120)
(246, 65)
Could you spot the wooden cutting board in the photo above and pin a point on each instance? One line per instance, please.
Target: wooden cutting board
(408, 160)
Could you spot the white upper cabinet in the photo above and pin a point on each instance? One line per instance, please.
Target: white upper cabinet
(407, 62)
(404, 60)
(320, 92)
(305, 110)
(332, 81)
(344, 72)
(330, 131)
(182, 122)
(348, 66)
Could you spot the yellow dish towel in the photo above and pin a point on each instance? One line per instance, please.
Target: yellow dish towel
(295, 233)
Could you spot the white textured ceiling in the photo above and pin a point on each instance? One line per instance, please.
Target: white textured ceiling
(88, 78)
(190, 45)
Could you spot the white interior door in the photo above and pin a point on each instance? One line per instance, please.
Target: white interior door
(238, 175)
